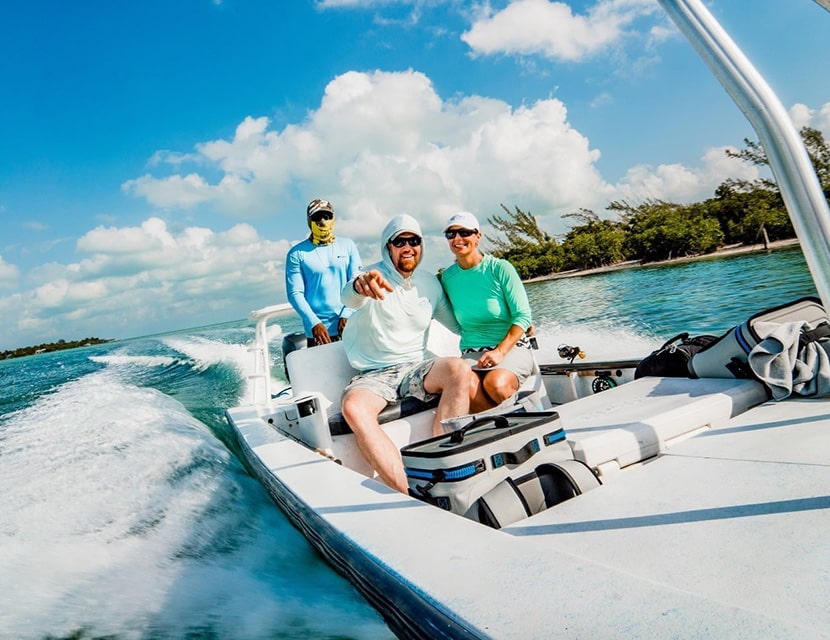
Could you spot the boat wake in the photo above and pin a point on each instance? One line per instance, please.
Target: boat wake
(136, 360)
(209, 352)
(597, 342)
(123, 515)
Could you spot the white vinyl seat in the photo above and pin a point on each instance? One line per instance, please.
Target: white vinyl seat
(324, 370)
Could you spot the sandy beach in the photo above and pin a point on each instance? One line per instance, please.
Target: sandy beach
(636, 264)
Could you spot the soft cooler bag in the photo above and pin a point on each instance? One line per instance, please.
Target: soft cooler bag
(727, 357)
(453, 470)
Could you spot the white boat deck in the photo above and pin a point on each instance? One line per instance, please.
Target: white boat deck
(725, 546)
(678, 547)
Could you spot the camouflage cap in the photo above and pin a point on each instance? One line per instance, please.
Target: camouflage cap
(315, 206)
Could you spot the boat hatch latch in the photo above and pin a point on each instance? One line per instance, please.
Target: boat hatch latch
(307, 408)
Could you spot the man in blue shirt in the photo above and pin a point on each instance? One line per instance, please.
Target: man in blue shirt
(316, 270)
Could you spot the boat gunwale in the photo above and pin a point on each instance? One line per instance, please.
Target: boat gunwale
(410, 614)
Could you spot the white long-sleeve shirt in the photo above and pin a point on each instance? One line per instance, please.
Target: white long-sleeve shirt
(382, 333)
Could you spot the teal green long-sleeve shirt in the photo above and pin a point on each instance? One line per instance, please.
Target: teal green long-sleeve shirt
(487, 300)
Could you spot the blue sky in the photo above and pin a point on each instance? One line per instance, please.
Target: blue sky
(158, 156)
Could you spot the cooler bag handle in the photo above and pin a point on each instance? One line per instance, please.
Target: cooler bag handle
(457, 437)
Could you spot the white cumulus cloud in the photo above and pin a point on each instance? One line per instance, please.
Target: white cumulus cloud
(679, 183)
(383, 142)
(9, 274)
(553, 30)
(804, 116)
(148, 276)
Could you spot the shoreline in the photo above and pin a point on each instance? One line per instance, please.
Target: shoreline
(729, 250)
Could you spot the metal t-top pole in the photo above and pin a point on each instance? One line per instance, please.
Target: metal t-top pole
(788, 157)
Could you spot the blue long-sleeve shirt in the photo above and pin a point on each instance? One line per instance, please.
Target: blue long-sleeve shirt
(315, 276)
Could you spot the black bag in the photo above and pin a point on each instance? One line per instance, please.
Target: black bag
(672, 360)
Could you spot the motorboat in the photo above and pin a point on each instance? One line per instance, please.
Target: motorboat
(676, 507)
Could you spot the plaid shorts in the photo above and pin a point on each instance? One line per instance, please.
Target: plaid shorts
(396, 382)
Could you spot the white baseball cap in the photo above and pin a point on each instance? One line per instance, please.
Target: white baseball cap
(463, 219)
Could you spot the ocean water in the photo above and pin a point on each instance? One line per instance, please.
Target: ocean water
(124, 512)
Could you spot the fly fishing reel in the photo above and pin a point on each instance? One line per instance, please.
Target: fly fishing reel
(602, 382)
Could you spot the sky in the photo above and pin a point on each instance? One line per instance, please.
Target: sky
(157, 156)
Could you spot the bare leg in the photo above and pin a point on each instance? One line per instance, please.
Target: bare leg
(500, 384)
(494, 388)
(361, 408)
(456, 382)
(479, 400)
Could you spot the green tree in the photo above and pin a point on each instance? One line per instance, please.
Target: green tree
(817, 148)
(819, 151)
(594, 243)
(50, 346)
(749, 212)
(532, 251)
(658, 230)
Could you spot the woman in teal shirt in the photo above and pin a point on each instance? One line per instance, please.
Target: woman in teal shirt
(492, 309)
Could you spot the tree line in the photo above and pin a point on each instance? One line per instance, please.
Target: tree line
(740, 212)
(50, 346)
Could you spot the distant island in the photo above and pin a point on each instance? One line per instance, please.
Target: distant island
(60, 345)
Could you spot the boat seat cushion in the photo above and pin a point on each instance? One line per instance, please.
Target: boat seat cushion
(635, 421)
(323, 370)
(394, 410)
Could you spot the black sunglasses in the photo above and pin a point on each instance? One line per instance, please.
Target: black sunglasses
(400, 242)
(322, 215)
(449, 234)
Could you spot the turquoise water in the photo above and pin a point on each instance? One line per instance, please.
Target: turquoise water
(654, 303)
(124, 513)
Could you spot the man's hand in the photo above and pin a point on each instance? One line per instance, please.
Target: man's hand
(320, 334)
(341, 324)
(371, 285)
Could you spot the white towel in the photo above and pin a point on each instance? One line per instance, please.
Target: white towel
(786, 368)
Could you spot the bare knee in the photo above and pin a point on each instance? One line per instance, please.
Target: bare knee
(361, 408)
(500, 385)
(459, 371)
(448, 373)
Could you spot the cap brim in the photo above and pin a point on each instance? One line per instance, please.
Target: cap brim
(402, 231)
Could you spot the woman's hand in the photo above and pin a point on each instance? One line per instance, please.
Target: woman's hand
(490, 359)
(495, 357)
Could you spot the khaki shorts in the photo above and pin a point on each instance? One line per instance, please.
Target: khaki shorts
(519, 361)
(396, 382)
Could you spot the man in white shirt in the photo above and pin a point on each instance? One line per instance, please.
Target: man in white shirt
(385, 340)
